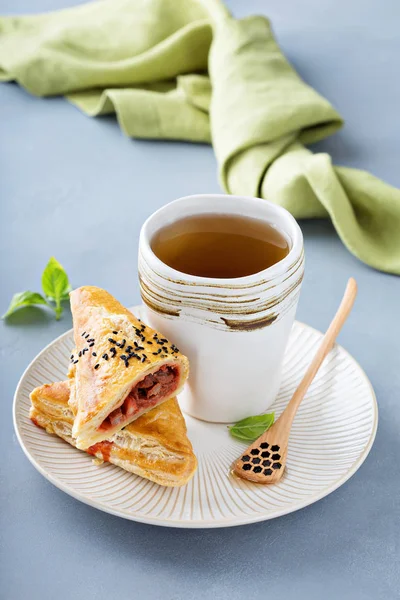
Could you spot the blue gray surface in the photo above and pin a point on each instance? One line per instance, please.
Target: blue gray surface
(76, 188)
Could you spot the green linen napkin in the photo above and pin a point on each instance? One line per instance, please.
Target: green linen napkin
(147, 61)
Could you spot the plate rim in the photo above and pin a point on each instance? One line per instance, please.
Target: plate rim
(199, 524)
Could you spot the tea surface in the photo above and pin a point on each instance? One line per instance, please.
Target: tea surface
(220, 246)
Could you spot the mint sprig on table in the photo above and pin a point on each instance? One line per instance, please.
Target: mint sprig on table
(251, 428)
(55, 285)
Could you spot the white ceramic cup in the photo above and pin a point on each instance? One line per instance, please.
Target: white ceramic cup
(234, 331)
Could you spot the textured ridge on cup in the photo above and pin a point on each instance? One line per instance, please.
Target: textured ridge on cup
(243, 303)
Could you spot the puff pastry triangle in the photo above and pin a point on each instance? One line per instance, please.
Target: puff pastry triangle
(154, 446)
(120, 368)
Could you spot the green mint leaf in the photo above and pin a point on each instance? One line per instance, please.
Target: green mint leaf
(55, 282)
(55, 286)
(24, 299)
(251, 428)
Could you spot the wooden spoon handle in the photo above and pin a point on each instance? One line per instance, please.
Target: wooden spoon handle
(326, 345)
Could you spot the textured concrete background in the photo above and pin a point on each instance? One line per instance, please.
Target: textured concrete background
(76, 188)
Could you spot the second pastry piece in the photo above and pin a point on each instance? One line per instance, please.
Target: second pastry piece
(121, 368)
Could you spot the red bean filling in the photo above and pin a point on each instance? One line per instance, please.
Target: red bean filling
(146, 394)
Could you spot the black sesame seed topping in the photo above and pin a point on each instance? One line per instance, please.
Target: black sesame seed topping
(150, 343)
(165, 349)
(164, 340)
(123, 357)
(96, 366)
(112, 341)
(126, 364)
(137, 331)
(85, 350)
(115, 332)
(80, 353)
(75, 361)
(155, 336)
(143, 327)
(83, 334)
(94, 354)
(113, 351)
(87, 335)
(155, 353)
(105, 356)
(91, 345)
(91, 340)
(143, 358)
(72, 356)
(128, 349)
(122, 344)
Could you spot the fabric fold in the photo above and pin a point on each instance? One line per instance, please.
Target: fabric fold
(170, 109)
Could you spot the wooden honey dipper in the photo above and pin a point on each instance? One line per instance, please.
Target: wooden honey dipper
(264, 460)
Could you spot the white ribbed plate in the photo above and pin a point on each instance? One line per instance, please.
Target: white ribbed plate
(331, 437)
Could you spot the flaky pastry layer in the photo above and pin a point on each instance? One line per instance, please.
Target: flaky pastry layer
(154, 446)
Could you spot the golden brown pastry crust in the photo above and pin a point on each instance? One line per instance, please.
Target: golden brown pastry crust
(154, 446)
(97, 390)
